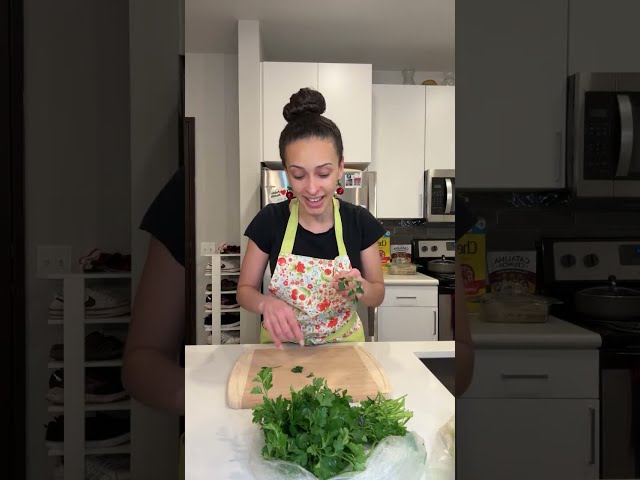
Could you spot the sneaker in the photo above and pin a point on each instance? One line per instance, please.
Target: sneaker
(101, 431)
(228, 285)
(96, 347)
(102, 385)
(230, 320)
(229, 266)
(228, 301)
(224, 248)
(97, 304)
(207, 270)
(230, 338)
(208, 289)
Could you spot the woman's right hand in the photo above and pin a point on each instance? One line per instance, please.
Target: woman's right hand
(280, 321)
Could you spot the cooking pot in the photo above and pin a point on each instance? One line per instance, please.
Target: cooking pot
(609, 302)
(442, 265)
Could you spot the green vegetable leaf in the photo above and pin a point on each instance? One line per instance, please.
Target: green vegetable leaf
(310, 375)
(257, 390)
(296, 369)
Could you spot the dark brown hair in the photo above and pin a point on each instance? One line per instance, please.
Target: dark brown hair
(304, 119)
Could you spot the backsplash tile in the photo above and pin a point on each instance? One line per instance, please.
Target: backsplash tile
(404, 231)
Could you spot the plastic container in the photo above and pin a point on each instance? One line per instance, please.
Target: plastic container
(514, 307)
(401, 268)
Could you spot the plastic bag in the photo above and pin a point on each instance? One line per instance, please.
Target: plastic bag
(441, 464)
(394, 457)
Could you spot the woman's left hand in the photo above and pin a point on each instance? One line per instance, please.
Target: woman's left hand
(349, 283)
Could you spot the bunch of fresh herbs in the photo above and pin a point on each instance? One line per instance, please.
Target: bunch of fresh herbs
(319, 430)
(345, 282)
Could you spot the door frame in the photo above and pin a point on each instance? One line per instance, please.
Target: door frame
(12, 258)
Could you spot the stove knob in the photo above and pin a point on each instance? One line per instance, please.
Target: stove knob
(591, 260)
(567, 261)
(424, 248)
(434, 248)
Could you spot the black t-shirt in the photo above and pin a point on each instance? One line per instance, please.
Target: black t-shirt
(165, 217)
(360, 230)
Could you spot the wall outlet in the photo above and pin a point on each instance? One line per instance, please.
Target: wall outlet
(54, 259)
(207, 248)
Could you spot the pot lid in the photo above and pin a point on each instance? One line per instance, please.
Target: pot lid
(610, 291)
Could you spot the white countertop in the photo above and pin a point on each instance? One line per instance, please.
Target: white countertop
(217, 438)
(417, 279)
(555, 333)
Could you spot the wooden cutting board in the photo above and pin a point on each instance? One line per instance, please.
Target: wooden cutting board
(344, 366)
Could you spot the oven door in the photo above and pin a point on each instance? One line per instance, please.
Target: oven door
(620, 414)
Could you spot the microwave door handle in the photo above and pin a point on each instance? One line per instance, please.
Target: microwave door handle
(626, 135)
(449, 185)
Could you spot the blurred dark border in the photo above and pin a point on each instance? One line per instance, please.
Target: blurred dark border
(12, 289)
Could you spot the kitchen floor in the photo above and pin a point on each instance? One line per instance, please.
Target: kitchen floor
(444, 370)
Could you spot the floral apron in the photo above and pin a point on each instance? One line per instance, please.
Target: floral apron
(304, 283)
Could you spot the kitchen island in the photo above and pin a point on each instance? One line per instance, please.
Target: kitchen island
(218, 438)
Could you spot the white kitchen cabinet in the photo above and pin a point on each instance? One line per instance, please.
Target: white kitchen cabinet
(529, 412)
(527, 439)
(408, 313)
(511, 80)
(280, 80)
(440, 128)
(604, 36)
(398, 150)
(347, 92)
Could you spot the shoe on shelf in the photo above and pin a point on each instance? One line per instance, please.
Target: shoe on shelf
(95, 261)
(96, 347)
(228, 301)
(229, 266)
(228, 285)
(230, 338)
(230, 320)
(224, 248)
(208, 289)
(101, 431)
(102, 385)
(98, 303)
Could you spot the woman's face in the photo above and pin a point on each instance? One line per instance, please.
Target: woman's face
(313, 170)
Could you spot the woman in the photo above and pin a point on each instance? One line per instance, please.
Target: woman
(322, 251)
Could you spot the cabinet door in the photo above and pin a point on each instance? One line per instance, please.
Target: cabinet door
(347, 91)
(279, 82)
(411, 324)
(604, 37)
(398, 150)
(440, 128)
(504, 439)
(511, 82)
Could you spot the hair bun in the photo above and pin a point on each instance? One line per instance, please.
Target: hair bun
(305, 101)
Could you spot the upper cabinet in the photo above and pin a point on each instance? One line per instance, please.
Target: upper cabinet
(440, 128)
(398, 150)
(511, 82)
(604, 36)
(347, 91)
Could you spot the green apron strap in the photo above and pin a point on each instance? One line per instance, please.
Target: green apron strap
(337, 219)
(292, 227)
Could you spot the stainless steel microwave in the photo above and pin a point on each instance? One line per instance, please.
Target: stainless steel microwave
(603, 134)
(440, 194)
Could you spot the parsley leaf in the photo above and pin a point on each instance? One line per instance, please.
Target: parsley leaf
(319, 430)
(296, 369)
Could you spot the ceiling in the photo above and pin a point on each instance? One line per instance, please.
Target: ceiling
(390, 34)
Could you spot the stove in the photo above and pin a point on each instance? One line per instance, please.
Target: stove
(425, 250)
(567, 266)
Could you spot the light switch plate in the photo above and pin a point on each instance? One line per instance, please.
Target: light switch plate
(207, 248)
(53, 259)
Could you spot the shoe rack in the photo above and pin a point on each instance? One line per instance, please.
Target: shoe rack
(216, 311)
(74, 408)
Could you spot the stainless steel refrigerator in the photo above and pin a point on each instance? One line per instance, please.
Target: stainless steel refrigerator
(359, 187)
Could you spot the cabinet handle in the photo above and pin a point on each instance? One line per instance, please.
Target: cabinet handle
(435, 322)
(406, 298)
(525, 376)
(559, 153)
(592, 422)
